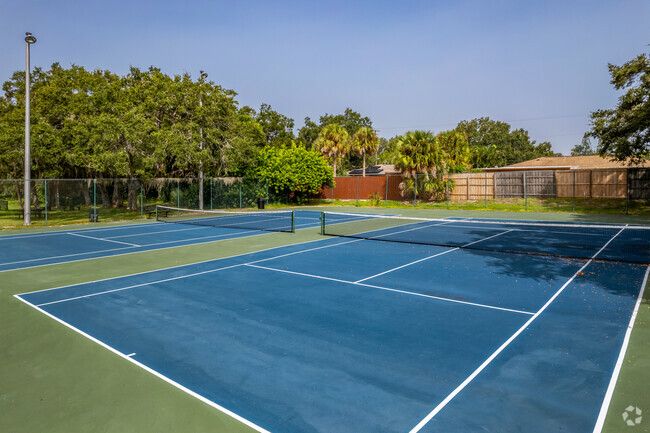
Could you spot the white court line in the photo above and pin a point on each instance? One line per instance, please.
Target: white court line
(150, 283)
(102, 239)
(67, 230)
(600, 422)
(131, 354)
(501, 348)
(180, 276)
(205, 239)
(159, 232)
(430, 257)
(151, 370)
(406, 292)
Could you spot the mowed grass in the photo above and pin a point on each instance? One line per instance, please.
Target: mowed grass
(550, 205)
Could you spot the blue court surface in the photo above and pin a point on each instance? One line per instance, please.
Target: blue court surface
(38, 249)
(356, 335)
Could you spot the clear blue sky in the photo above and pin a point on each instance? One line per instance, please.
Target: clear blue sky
(538, 65)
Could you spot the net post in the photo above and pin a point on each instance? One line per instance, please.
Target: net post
(322, 223)
(157, 214)
(574, 191)
(45, 199)
(293, 221)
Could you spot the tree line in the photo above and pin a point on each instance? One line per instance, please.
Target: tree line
(146, 124)
(149, 124)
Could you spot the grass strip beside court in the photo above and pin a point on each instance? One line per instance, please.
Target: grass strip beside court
(632, 385)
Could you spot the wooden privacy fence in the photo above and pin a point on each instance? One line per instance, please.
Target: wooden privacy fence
(631, 183)
(592, 183)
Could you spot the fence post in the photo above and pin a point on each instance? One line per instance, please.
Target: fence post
(525, 192)
(240, 194)
(357, 190)
(627, 189)
(211, 182)
(386, 196)
(45, 199)
(485, 192)
(447, 190)
(415, 190)
(467, 192)
(178, 196)
(574, 191)
(94, 196)
(141, 204)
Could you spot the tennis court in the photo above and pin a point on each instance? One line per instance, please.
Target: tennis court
(38, 249)
(387, 325)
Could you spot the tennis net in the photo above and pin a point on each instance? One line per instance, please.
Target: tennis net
(606, 242)
(275, 221)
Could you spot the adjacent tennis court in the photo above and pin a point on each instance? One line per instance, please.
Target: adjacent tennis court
(386, 325)
(38, 249)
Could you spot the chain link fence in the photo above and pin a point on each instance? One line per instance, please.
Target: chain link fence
(65, 201)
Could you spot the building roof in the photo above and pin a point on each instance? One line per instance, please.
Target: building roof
(375, 170)
(574, 162)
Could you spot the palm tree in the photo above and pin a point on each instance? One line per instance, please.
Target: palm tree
(365, 141)
(333, 142)
(419, 152)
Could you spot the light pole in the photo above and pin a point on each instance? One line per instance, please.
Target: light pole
(27, 202)
(203, 76)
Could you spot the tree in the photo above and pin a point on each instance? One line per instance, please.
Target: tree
(420, 152)
(457, 151)
(388, 152)
(294, 171)
(350, 120)
(365, 141)
(624, 132)
(583, 148)
(511, 146)
(278, 128)
(333, 142)
(308, 134)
